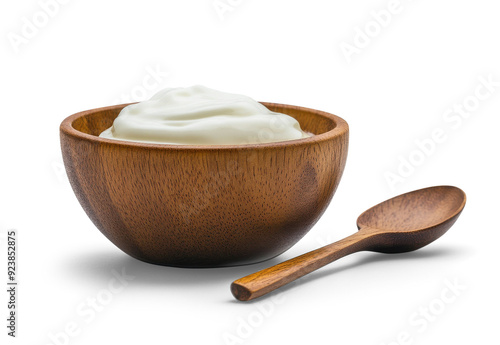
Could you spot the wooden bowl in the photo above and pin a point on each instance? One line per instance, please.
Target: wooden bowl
(204, 206)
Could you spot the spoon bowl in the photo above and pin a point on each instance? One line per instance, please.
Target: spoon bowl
(413, 220)
(401, 224)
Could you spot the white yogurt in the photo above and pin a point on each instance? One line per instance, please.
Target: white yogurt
(198, 115)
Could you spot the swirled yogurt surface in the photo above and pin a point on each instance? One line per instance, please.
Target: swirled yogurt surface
(198, 115)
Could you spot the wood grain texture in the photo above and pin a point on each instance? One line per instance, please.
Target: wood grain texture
(401, 224)
(204, 206)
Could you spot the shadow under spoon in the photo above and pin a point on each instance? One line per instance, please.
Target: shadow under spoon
(401, 224)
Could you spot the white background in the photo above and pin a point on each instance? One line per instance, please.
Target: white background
(396, 89)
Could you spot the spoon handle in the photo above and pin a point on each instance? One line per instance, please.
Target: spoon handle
(262, 282)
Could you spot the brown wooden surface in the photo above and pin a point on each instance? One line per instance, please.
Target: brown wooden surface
(401, 224)
(204, 206)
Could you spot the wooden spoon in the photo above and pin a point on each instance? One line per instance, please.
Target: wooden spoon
(401, 224)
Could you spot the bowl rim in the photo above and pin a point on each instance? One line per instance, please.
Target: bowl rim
(341, 128)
